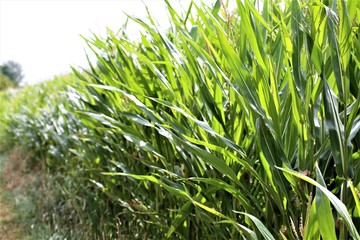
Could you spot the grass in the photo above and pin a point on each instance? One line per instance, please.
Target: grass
(22, 199)
(8, 223)
(238, 124)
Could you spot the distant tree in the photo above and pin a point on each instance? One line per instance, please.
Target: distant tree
(13, 71)
(5, 82)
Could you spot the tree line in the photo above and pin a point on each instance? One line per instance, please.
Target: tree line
(11, 75)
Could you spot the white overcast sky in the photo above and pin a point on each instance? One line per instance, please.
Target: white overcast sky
(43, 35)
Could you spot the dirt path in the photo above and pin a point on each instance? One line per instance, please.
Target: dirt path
(9, 228)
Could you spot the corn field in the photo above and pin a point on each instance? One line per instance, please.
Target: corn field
(231, 124)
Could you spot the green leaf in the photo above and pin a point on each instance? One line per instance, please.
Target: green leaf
(323, 210)
(261, 227)
(339, 206)
(311, 228)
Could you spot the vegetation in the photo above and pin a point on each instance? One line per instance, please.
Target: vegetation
(8, 227)
(5, 82)
(229, 125)
(10, 74)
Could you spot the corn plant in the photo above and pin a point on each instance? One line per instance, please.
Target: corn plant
(230, 124)
(233, 119)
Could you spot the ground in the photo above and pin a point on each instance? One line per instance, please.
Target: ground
(9, 229)
(9, 226)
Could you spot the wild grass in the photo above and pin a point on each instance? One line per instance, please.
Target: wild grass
(229, 125)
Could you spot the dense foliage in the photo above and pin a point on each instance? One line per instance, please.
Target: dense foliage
(5, 82)
(13, 73)
(228, 125)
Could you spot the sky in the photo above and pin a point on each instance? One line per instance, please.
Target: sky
(43, 36)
